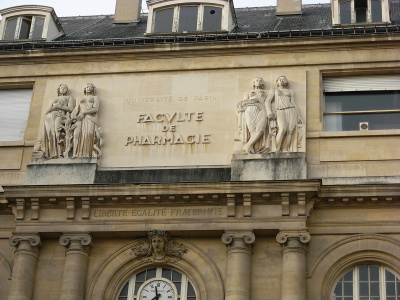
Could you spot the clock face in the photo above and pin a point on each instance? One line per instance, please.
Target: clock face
(157, 289)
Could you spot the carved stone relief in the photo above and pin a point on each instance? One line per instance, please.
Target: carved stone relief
(269, 121)
(158, 248)
(71, 128)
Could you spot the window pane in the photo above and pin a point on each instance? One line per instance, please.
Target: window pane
(364, 289)
(178, 287)
(166, 273)
(124, 291)
(10, 29)
(176, 276)
(163, 20)
(151, 274)
(38, 28)
(137, 286)
(389, 276)
(374, 273)
(352, 121)
(190, 290)
(348, 289)
(348, 276)
(25, 28)
(376, 10)
(361, 10)
(212, 18)
(362, 101)
(345, 12)
(390, 289)
(338, 289)
(14, 111)
(141, 277)
(374, 289)
(188, 18)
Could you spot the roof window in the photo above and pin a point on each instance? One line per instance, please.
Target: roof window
(190, 17)
(350, 12)
(29, 22)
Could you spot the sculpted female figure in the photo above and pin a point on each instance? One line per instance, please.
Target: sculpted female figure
(87, 127)
(158, 244)
(53, 143)
(253, 118)
(287, 116)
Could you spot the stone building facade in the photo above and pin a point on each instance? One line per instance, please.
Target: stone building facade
(201, 152)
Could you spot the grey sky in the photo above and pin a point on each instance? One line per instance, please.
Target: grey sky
(65, 8)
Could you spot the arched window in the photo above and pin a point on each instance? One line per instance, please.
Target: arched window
(367, 282)
(163, 283)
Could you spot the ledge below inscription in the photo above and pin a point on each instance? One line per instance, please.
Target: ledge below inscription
(61, 171)
(269, 166)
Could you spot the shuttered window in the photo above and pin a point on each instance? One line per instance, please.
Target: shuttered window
(362, 103)
(14, 110)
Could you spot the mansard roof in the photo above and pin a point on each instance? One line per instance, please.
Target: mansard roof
(254, 22)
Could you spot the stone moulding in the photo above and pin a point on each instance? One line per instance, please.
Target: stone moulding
(301, 234)
(33, 238)
(6, 265)
(121, 265)
(247, 236)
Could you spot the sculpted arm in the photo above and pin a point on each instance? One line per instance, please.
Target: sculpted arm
(50, 108)
(268, 102)
(95, 107)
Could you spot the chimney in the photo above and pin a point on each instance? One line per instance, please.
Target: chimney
(127, 11)
(288, 7)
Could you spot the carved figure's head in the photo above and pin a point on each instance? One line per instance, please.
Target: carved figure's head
(62, 90)
(259, 83)
(89, 89)
(282, 82)
(158, 241)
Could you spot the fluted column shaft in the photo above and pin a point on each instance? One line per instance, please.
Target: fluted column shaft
(76, 259)
(24, 268)
(293, 264)
(238, 268)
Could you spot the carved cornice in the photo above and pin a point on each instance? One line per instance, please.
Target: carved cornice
(301, 234)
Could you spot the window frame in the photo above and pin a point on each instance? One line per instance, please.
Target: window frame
(17, 32)
(182, 295)
(176, 17)
(362, 83)
(356, 290)
(385, 13)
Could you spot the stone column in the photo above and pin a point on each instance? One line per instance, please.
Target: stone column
(24, 268)
(76, 258)
(238, 264)
(293, 263)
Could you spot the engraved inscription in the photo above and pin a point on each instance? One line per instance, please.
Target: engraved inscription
(103, 213)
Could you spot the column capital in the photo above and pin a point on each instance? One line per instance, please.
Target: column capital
(32, 238)
(83, 238)
(247, 236)
(301, 234)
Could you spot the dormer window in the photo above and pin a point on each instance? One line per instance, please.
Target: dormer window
(187, 18)
(348, 12)
(165, 17)
(29, 22)
(24, 27)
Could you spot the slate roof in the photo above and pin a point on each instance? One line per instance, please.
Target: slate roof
(253, 23)
(253, 20)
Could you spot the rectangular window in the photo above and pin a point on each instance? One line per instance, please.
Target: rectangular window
(163, 20)
(14, 111)
(212, 18)
(38, 28)
(362, 102)
(188, 18)
(361, 10)
(11, 25)
(376, 11)
(345, 12)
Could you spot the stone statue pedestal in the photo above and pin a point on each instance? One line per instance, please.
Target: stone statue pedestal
(42, 171)
(269, 166)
